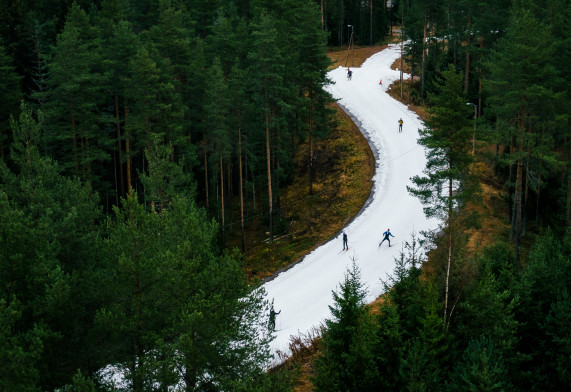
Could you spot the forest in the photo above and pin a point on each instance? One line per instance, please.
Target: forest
(137, 136)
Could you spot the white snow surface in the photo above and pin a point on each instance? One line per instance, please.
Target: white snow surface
(303, 293)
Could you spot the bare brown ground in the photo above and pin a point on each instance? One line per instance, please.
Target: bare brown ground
(355, 57)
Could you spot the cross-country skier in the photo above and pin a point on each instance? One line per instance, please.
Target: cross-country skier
(273, 314)
(349, 73)
(345, 244)
(386, 235)
(400, 125)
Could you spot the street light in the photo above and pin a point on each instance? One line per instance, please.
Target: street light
(474, 135)
(349, 47)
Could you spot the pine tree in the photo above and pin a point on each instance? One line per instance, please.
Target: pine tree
(75, 92)
(447, 183)
(47, 255)
(266, 71)
(178, 312)
(10, 94)
(521, 94)
(217, 108)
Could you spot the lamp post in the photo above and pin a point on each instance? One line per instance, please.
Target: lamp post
(349, 47)
(474, 134)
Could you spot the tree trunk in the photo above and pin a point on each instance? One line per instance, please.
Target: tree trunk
(119, 149)
(322, 16)
(222, 201)
(568, 201)
(1, 145)
(467, 78)
(310, 137)
(568, 213)
(127, 147)
(268, 161)
(229, 192)
(526, 195)
(241, 192)
(139, 347)
(205, 171)
(74, 139)
(518, 188)
(423, 57)
(449, 251)
(371, 23)
(480, 80)
(401, 49)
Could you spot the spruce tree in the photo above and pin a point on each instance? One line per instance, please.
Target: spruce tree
(482, 369)
(346, 362)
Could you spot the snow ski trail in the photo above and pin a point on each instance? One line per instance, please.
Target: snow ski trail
(304, 292)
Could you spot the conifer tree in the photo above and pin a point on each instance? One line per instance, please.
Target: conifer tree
(447, 182)
(10, 94)
(75, 92)
(482, 369)
(177, 311)
(346, 362)
(217, 108)
(46, 259)
(267, 70)
(520, 93)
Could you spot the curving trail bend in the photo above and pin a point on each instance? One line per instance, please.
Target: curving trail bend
(304, 292)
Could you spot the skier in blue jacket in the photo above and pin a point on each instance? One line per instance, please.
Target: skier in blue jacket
(386, 235)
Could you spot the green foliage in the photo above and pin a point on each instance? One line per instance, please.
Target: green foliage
(482, 369)
(418, 370)
(558, 330)
(20, 351)
(165, 179)
(543, 286)
(47, 255)
(346, 362)
(447, 183)
(174, 303)
(10, 94)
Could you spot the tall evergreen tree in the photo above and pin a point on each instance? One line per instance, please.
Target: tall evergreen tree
(46, 259)
(520, 92)
(482, 369)
(347, 362)
(447, 182)
(10, 95)
(75, 93)
(207, 336)
(217, 108)
(267, 69)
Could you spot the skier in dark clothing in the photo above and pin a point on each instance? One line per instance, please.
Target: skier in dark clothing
(273, 314)
(349, 73)
(386, 235)
(400, 125)
(345, 244)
